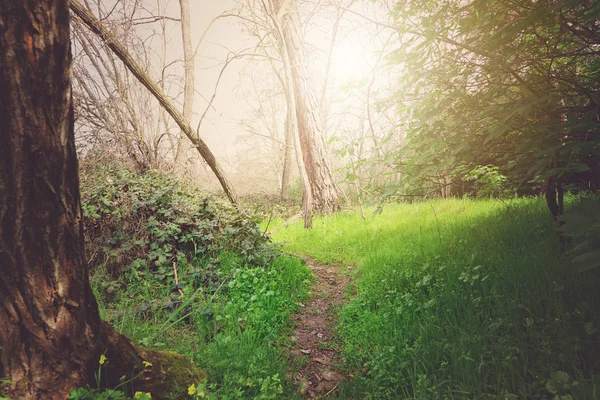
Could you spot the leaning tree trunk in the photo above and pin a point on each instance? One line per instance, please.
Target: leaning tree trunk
(51, 336)
(310, 126)
(96, 26)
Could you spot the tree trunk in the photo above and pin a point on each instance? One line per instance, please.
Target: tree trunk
(96, 26)
(555, 195)
(288, 154)
(51, 336)
(307, 199)
(310, 127)
(183, 145)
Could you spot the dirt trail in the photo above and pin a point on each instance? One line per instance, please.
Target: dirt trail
(314, 340)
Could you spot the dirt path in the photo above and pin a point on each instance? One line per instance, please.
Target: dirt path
(314, 340)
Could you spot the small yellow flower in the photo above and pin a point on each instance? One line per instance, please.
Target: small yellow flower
(102, 359)
(192, 389)
(137, 395)
(147, 364)
(201, 394)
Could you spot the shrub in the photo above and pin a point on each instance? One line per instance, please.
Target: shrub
(155, 224)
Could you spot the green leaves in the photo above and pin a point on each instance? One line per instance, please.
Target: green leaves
(158, 222)
(503, 84)
(583, 223)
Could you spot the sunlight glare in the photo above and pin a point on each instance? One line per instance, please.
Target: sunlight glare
(349, 61)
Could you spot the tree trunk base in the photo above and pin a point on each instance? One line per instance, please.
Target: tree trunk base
(164, 374)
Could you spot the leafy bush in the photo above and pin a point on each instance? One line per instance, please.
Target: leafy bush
(583, 224)
(153, 223)
(488, 181)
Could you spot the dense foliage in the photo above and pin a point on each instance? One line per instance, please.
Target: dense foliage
(504, 91)
(153, 223)
(460, 299)
(173, 269)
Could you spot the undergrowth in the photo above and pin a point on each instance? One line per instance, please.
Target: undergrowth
(175, 270)
(460, 299)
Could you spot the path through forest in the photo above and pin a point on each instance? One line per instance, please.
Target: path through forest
(314, 339)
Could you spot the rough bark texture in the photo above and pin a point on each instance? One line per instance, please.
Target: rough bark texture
(310, 127)
(48, 315)
(183, 145)
(51, 336)
(96, 26)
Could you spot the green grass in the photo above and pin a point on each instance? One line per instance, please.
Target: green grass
(459, 299)
(235, 330)
(227, 303)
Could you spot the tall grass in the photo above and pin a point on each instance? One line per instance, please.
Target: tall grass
(459, 299)
(236, 331)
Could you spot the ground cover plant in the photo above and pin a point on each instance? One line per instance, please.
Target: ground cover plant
(459, 299)
(175, 270)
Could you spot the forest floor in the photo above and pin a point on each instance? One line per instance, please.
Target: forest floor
(314, 338)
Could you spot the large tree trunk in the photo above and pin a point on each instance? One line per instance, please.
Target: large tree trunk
(96, 26)
(48, 315)
(310, 126)
(51, 336)
(183, 145)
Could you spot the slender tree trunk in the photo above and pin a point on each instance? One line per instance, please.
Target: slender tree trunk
(183, 145)
(555, 195)
(288, 154)
(51, 336)
(96, 26)
(307, 197)
(310, 125)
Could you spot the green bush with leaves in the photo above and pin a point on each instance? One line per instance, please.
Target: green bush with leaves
(155, 224)
(583, 224)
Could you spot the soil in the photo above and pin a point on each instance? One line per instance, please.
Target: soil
(314, 341)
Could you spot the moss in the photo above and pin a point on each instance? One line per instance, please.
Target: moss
(164, 374)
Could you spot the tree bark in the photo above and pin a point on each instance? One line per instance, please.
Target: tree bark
(288, 155)
(555, 195)
(310, 126)
(188, 89)
(292, 124)
(51, 336)
(96, 26)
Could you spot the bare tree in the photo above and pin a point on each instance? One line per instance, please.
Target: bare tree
(283, 44)
(113, 110)
(97, 27)
(308, 117)
(265, 129)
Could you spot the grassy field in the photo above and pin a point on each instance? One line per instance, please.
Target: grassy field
(459, 299)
